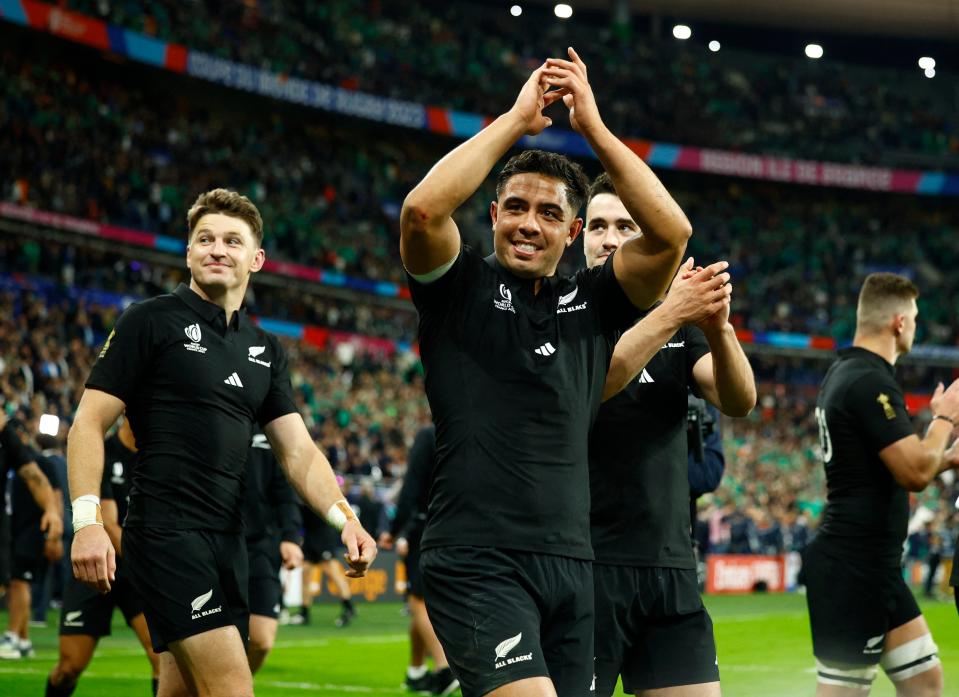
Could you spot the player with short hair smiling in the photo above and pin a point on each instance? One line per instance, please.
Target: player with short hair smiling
(651, 626)
(194, 373)
(862, 613)
(516, 359)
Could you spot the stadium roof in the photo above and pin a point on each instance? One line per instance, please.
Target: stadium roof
(906, 18)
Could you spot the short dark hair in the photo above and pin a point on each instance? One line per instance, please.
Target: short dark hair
(551, 165)
(602, 184)
(883, 295)
(229, 203)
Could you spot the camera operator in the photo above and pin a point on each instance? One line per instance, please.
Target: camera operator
(705, 465)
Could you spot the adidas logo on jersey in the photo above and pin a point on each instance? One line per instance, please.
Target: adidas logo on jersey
(234, 380)
(545, 350)
(645, 378)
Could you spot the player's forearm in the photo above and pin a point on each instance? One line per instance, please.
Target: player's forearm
(84, 459)
(735, 383)
(313, 479)
(934, 446)
(39, 487)
(636, 347)
(663, 222)
(459, 174)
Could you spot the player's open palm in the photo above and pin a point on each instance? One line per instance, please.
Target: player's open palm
(570, 77)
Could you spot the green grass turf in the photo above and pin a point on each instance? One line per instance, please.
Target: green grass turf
(763, 641)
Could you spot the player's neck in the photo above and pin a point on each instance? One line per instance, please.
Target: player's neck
(884, 346)
(229, 299)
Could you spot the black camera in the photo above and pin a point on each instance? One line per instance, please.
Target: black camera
(700, 424)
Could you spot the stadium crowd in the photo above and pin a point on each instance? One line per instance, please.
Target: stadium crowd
(460, 55)
(808, 248)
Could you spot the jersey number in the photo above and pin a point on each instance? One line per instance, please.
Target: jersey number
(825, 442)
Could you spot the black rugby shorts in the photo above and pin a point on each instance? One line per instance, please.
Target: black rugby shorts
(190, 581)
(651, 628)
(504, 615)
(266, 592)
(87, 612)
(852, 604)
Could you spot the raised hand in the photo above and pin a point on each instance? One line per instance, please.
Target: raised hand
(569, 76)
(699, 295)
(531, 101)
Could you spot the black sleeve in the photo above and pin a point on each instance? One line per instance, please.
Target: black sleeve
(279, 400)
(285, 503)
(696, 347)
(616, 312)
(418, 467)
(48, 470)
(106, 486)
(125, 354)
(14, 450)
(877, 402)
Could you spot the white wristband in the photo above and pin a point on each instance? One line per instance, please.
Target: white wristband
(339, 513)
(86, 511)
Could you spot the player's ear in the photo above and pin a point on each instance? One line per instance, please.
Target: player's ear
(258, 260)
(575, 228)
(493, 210)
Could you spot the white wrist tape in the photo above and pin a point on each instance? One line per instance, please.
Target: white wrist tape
(86, 511)
(339, 513)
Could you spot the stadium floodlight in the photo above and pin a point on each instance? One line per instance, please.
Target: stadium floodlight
(930, 72)
(682, 32)
(516, 10)
(927, 63)
(563, 11)
(714, 46)
(49, 424)
(813, 51)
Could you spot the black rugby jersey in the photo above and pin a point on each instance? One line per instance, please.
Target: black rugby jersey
(414, 497)
(27, 537)
(860, 411)
(514, 380)
(193, 388)
(638, 462)
(271, 510)
(118, 461)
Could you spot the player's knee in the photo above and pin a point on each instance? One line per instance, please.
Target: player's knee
(851, 677)
(262, 644)
(915, 668)
(66, 673)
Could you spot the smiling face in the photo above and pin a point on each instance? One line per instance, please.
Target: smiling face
(532, 224)
(223, 253)
(608, 225)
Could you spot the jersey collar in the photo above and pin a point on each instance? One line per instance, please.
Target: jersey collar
(866, 354)
(207, 310)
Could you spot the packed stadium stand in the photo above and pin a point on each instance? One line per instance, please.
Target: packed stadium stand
(99, 138)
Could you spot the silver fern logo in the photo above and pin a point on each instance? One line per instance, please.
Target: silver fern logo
(504, 647)
(201, 600)
(568, 298)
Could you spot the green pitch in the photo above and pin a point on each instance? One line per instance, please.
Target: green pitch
(763, 640)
